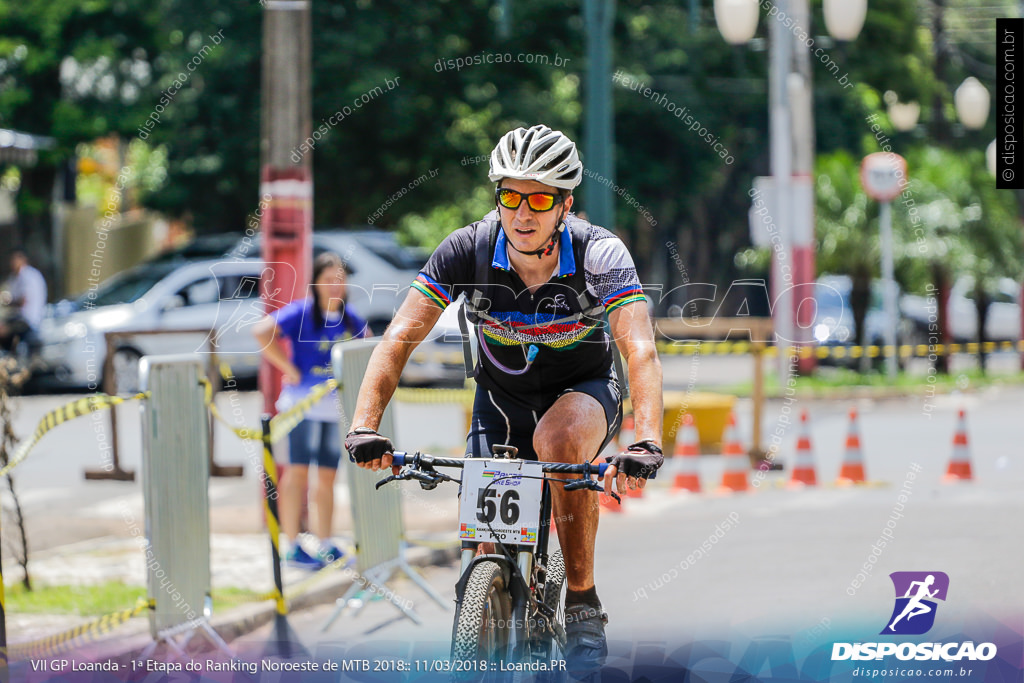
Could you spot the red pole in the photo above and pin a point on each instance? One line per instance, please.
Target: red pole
(287, 250)
(286, 165)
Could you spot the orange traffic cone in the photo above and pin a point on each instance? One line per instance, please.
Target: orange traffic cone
(960, 464)
(609, 504)
(803, 465)
(687, 450)
(735, 459)
(852, 471)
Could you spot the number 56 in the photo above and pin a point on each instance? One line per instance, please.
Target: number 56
(486, 508)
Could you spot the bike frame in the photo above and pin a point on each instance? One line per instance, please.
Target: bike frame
(518, 572)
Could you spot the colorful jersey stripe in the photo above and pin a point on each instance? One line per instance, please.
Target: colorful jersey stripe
(622, 297)
(433, 290)
(561, 337)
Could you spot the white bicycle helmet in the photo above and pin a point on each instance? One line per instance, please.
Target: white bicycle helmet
(537, 153)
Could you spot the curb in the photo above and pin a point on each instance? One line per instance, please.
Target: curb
(246, 619)
(231, 627)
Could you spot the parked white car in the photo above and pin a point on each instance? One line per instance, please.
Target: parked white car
(380, 269)
(1003, 322)
(221, 295)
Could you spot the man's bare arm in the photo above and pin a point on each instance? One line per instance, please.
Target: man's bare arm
(633, 333)
(413, 322)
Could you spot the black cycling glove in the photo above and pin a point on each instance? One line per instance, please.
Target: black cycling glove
(642, 459)
(365, 445)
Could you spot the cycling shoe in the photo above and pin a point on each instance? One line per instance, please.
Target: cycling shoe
(586, 646)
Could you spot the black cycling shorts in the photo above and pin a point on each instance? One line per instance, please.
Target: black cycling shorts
(500, 420)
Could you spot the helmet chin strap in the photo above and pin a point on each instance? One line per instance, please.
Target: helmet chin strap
(550, 246)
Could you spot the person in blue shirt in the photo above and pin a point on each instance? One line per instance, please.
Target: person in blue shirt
(311, 326)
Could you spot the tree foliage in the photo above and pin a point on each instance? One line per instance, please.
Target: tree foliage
(82, 69)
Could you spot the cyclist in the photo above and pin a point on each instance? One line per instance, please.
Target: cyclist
(537, 281)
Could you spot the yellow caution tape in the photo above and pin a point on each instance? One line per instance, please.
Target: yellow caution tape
(86, 632)
(822, 352)
(280, 424)
(69, 411)
(270, 509)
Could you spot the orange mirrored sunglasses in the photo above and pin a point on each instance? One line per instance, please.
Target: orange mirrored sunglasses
(537, 201)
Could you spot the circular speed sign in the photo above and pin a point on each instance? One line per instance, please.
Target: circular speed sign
(883, 175)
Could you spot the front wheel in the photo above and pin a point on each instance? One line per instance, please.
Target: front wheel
(483, 620)
(548, 648)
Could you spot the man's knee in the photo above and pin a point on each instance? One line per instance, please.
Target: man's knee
(556, 446)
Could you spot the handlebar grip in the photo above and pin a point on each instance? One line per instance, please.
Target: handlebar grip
(398, 458)
(604, 466)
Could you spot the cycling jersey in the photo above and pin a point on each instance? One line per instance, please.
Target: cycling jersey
(562, 319)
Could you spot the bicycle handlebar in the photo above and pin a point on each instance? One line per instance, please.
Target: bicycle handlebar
(402, 458)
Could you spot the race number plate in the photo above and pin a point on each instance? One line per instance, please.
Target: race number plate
(503, 494)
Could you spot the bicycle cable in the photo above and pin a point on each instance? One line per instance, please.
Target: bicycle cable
(505, 551)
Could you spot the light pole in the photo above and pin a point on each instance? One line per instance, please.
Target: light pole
(599, 142)
(792, 143)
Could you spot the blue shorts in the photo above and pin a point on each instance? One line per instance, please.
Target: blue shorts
(315, 443)
(497, 419)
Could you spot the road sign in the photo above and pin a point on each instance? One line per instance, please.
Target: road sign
(883, 175)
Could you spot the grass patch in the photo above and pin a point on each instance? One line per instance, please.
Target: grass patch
(86, 601)
(837, 380)
(100, 599)
(226, 598)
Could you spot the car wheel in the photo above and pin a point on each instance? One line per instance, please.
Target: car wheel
(126, 371)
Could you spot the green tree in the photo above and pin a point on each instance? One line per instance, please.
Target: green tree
(955, 222)
(848, 241)
(74, 70)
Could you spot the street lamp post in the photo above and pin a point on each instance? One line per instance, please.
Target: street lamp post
(598, 142)
(792, 143)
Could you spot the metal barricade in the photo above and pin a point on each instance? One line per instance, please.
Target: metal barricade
(175, 472)
(376, 513)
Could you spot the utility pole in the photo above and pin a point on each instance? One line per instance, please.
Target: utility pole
(791, 115)
(800, 91)
(941, 133)
(781, 146)
(285, 123)
(599, 143)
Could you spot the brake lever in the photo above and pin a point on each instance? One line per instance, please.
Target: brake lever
(591, 484)
(388, 479)
(428, 481)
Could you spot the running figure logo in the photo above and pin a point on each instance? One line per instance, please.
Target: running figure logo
(916, 593)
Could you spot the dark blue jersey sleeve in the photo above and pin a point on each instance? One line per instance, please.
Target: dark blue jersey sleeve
(449, 271)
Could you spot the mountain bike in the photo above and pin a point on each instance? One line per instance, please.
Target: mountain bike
(509, 604)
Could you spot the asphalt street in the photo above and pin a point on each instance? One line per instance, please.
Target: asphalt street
(789, 558)
(786, 564)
